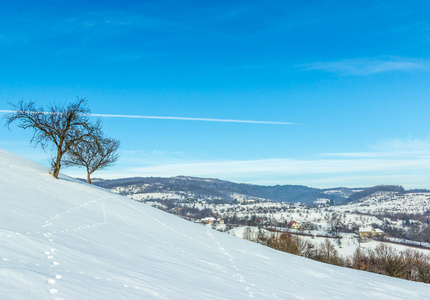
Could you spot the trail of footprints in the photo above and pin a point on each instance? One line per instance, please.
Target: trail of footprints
(162, 224)
(55, 222)
(50, 254)
(51, 223)
(223, 251)
(219, 248)
(70, 211)
(52, 281)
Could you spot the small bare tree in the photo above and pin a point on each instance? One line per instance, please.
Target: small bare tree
(327, 253)
(388, 261)
(63, 126)
(94, 153)
(248, 234)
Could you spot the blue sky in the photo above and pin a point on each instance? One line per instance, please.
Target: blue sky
(351, 79)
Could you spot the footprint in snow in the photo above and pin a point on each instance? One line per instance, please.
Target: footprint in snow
(53, 291)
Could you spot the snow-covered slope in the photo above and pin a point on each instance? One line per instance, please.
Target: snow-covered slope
(62, 239)
(392, 202)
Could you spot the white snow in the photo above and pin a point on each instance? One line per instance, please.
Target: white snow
(393, 202)
(63, 239)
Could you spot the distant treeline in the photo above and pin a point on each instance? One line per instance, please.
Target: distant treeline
(419, 191)
(408, 264)
(209, 188)
(379, 188)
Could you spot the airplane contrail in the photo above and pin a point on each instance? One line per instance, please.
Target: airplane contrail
(191, 119)
(180, 118)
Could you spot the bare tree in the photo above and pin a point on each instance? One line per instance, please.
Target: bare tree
(388, 261)
(94, 153)
(60, 125)
(248, 234)
(285, 243)
(328, 253)
(306, 248)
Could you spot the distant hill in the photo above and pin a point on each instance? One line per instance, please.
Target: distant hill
(225, 190)
(375, 189)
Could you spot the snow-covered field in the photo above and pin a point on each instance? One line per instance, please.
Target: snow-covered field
(286, 212)
(63, 239)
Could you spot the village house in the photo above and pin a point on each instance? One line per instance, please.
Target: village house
(369, 232)
(208, 220)
(176, 210)
(293, 225)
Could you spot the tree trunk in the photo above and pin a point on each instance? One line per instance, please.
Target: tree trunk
(89, 176)
(57, 165)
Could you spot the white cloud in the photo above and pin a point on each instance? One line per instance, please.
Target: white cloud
(392, 148)
(406, 164)
(412, 145)
(286, 167)
(318, 172)
(367, 66)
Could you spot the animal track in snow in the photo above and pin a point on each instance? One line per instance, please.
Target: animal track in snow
(222, 250)
(51, 281)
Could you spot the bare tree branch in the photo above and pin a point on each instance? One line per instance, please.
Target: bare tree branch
(63, 126)
(94, 153)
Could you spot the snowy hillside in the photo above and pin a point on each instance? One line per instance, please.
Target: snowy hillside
(392, 202)
(62, 239)
(192, 188)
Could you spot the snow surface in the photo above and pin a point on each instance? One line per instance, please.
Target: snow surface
(63, 239)
(393, 202)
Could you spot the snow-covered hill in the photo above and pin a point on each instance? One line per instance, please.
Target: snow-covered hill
(392, 202)
(194, 188)
(63, 239)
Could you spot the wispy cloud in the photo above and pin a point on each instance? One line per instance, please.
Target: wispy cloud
(407, 165)
(316, 172)
(287, 166)
(416, 145)
(391, 148)
(367, 66)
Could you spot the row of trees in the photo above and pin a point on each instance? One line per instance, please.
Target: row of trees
(383, 259)
(408, 264)
(69, 132)
(324, 252)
